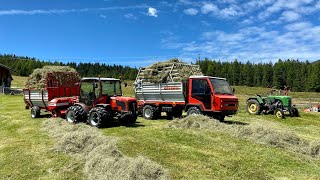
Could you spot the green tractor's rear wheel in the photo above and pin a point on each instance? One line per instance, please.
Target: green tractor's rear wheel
(253, 106)
(294, 112)
(279, 113)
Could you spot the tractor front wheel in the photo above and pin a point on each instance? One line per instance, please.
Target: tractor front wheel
(98, 117)
(253, 107)
(279, 113)
(75, 114)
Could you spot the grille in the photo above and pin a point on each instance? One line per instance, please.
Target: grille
(132, 106)
(122, 105)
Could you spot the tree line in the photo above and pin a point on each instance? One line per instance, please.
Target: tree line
(24, 66)
(298, 75)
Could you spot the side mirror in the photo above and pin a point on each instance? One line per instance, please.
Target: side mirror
(233, 90)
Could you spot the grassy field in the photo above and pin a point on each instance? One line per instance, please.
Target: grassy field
(26, 151)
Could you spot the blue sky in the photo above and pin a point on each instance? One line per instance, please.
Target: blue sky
(138, 33)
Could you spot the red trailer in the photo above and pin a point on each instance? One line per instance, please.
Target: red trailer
(59, 94)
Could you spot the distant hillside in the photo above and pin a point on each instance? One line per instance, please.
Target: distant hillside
(24, 66)
(318, 61)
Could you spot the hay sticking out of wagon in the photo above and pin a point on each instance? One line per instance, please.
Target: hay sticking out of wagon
(169, 71)
(99, 153)
(65, 75)
(258, 132)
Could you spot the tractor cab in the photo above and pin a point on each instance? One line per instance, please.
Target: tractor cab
(95, 91)
(213, 94)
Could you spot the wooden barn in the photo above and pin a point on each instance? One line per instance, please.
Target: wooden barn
(5, 76)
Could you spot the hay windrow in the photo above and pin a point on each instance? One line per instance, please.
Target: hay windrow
(257, 132)
(65, 75)
(101, 157)
(162, 72)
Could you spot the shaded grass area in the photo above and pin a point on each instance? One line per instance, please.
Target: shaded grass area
(25, 151)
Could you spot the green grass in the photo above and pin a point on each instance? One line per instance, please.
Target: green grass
(25, 151)
(18, 81)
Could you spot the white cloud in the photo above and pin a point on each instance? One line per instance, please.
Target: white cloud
(298, 26)
(130, 16)
(209, 8)
(152, 12)
(63, 11)
(103, 16)
(258, 44)
(290, 16)
(191, 11)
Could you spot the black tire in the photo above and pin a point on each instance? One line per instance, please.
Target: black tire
(98, 117)
(75, 114)
(221, 117)
(279, 113)
(149, 112)
(193, 111)
(253, 107)
(294, 112)
(129, 119)
(169, 115)
(177, 113)
(35, 112)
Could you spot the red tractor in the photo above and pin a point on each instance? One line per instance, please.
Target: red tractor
(100, 100)
(93, 100)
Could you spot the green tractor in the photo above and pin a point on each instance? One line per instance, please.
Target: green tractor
(272, 104)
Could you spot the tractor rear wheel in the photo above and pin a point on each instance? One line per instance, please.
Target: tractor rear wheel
(149, 112)
(75, 114)
(294, 112)
(35, 112)
(193, 111)
(279, 113)
(253, 107)
(98, 116)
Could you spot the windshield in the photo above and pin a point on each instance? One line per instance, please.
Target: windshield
(220, 86)
(111, 88)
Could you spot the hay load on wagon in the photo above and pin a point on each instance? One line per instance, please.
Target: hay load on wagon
(59, 76)
(169, 71)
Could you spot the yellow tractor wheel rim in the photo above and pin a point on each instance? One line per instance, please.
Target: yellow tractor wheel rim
(279, 114)
(253, 108)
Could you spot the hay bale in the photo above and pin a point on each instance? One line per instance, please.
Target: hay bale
(160, 71)
(101, 157)
(65, 75)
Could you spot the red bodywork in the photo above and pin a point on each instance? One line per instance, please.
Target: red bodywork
(227, 104)
(211, 103)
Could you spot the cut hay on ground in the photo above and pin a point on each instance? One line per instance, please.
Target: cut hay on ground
(65, 75)
(257, 132)
(169, 71)
(101, 157)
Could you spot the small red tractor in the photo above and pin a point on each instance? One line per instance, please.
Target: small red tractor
(93, 100)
